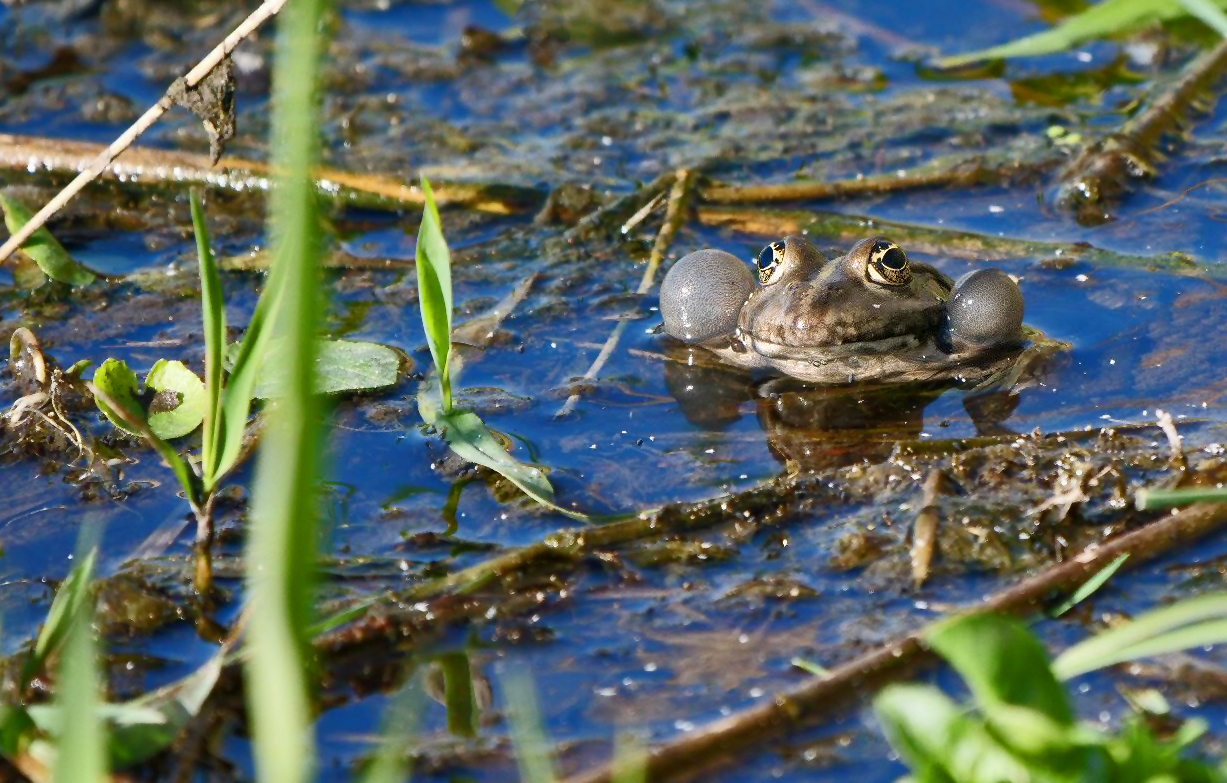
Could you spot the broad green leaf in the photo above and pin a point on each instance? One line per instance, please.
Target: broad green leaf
(1003, 663)
(1089, 587)
(340, 366)
(179, 403)
(213, 307)
(1102, 19)
(120, 384)
(127, 409)
(919, 722)
(470, 438)
(434, 270)
(1189, 623)
(46, 251)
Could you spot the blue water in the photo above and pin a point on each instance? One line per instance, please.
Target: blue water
(659, 650)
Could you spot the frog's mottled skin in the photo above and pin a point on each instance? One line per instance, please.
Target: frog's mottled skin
(869, 315)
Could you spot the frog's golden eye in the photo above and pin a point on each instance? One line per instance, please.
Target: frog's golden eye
(769, 259)
(888, 265)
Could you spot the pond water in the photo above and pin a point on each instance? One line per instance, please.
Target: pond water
(656, 638)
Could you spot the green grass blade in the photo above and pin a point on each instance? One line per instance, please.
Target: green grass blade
(630, 762)
(1102, 19)
(282, 539)
(1208, 12)
(391, 761)
(81, 755)
(1151, 499)
(241, 386)
(434, 270)
(213, 307)
(46, 251)
(1111, 646)
(69, 599)
(527, 733)
(809, 666)
(1091, 585)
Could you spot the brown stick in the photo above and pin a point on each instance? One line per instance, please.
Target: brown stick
(872, 185)
(34, 153)
(674, 216)
(1109, 168)
(723, 739)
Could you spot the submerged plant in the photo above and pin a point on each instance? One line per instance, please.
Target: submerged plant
(1110, 17)
(176, 402)
(463, 430)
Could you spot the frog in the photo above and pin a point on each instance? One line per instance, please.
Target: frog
(871, 314)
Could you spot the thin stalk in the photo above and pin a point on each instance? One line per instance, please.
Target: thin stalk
(675, 214)
(282, 544)
(146, 120)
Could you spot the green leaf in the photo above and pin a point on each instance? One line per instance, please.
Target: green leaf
(46, 251)
(1193, 622)
(283, 535)
(1003, 664)
(69, 599)
(139, 729)
(922, 724)
(81, 749)
(434, 270)
(179, 403)
(1102, 19)
(1207, 12)
(1151, 499)
(1089, 587)
(245, 368)
(213, 307)
(470, 438)
(533, 753)
(340, 366)
(120, 385)
(127, 414)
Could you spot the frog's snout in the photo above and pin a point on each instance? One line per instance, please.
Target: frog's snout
(985, 308)
(702, 295)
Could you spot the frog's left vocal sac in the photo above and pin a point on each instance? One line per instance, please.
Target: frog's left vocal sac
(872, 314)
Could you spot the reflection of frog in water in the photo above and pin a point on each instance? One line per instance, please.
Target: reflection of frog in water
(818, 427)
(869, 315)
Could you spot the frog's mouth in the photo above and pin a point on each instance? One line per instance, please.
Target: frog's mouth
(821, 354)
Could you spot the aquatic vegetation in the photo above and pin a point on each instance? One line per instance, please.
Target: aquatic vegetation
(1022, 724)
(463, 430)
(1110, 17)
(176, 402)
(46, 251)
